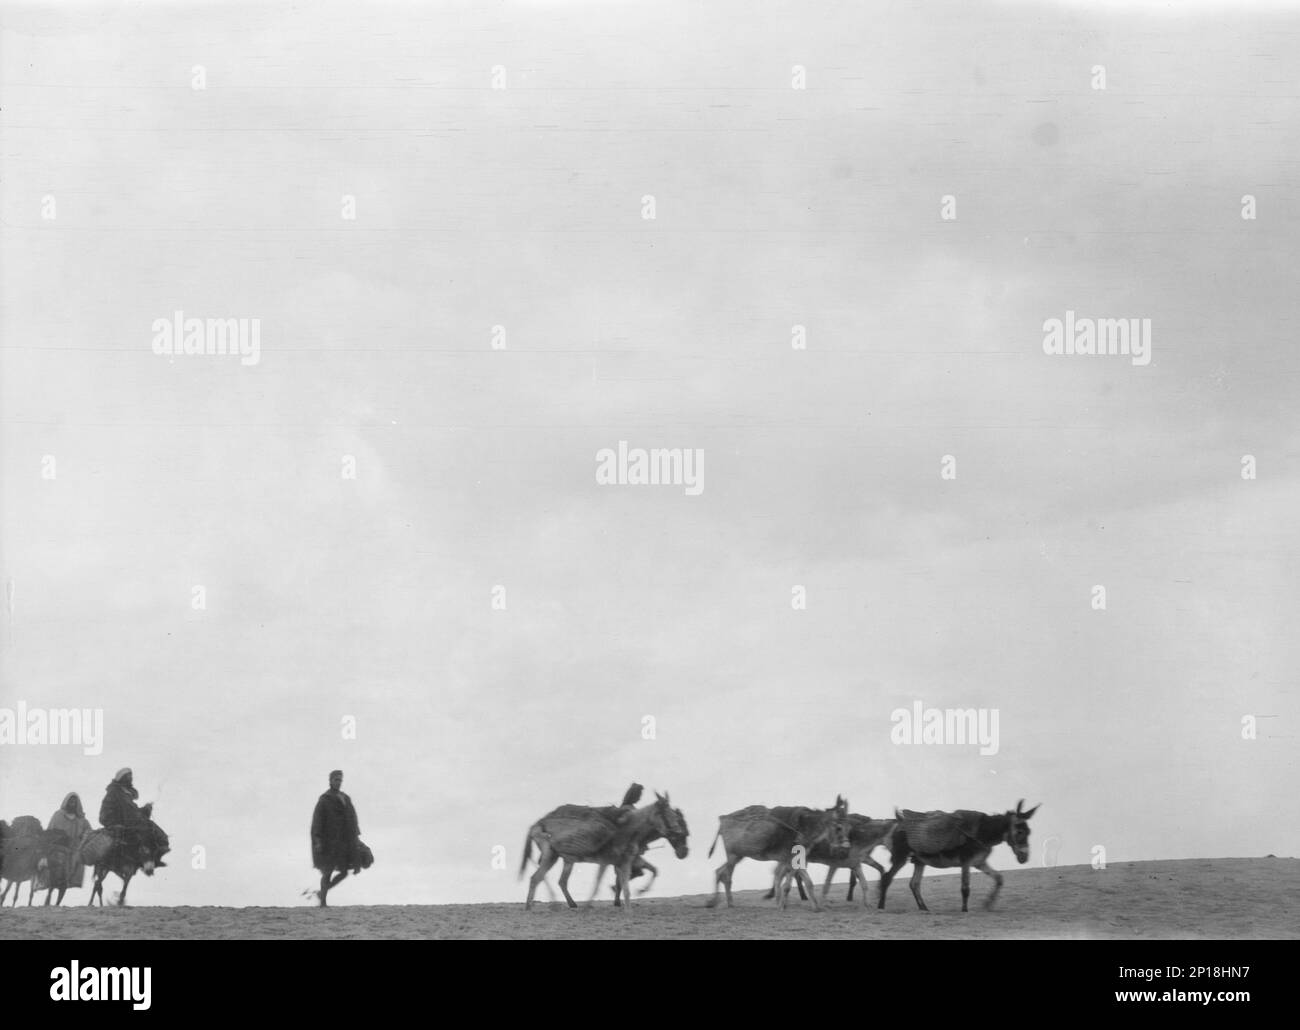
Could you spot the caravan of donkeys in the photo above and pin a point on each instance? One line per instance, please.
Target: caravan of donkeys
(617, 836)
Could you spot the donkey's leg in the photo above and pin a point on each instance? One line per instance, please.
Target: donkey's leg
(830, 875)
(887, 877)
(31, 892)
(126, 882)
(781, 884)
(787, 878)
(776, 884)
(965, 886)
(727, 870)
(5, 891)
(918, 870)
(984, 867)
(595, 887)
(868, 860)
(721, 875)
(545, 859)
(801, 875)
(564, 883)
(860, 878)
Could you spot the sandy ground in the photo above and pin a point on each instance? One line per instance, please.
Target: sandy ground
(1195, 899)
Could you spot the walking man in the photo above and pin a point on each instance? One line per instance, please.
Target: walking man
(71, 820)
(335, 836)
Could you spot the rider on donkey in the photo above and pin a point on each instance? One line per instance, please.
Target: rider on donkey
(119, 814)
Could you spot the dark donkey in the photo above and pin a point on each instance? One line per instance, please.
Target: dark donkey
(139, 849)
(948, 839)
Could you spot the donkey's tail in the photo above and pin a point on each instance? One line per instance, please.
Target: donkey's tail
(528, 847)
(715, 840)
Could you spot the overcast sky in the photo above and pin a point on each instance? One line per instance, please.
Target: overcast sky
(475, 468)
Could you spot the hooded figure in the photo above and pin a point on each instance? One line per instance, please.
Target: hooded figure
(119, 807)
(71, 819)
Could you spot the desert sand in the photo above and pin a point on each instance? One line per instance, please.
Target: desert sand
(1249, 898)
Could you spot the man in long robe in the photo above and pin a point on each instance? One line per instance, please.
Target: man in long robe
(71, 820)
(335, 836)
(118, 811)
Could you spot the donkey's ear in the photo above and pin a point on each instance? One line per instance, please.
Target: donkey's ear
(1026, 815)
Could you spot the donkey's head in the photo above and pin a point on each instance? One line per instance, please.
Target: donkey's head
(833, 828)
(671, 824)
(153, 845)
(1018, 830)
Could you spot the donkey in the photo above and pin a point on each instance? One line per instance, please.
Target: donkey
(613, 813)
(865, 835)
(24, 856)
(961, 838)
(139, 850)
(771, 835)
(575, 833)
